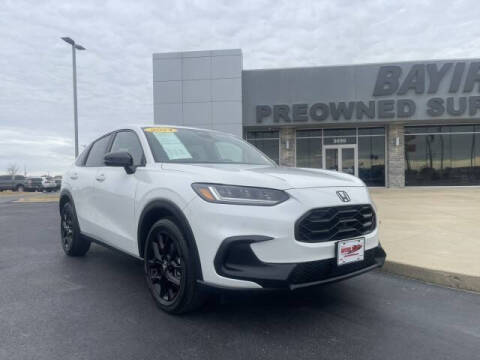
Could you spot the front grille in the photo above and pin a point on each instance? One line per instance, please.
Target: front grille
(335, 223)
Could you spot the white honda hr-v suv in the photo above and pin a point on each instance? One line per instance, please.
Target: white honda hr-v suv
(207, 209)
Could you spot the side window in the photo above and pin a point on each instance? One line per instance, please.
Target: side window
(81, 158)
(128, 141)
(97, 152)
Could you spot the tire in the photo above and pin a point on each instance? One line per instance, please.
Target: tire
(170, 269)
(20, 188)
(73, 243)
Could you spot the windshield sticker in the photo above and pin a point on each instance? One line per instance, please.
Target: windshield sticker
(160, 130)
(172, 145)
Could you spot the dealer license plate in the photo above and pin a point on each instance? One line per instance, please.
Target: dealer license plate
(349, 251)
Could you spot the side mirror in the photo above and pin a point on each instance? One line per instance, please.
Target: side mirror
(120, 159)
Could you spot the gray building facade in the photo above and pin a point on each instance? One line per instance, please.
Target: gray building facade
(394, 124)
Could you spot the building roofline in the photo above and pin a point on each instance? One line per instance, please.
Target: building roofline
(366, 64)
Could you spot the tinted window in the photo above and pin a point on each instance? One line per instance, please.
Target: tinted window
(81, 158)
(128, 141)
(340, 132)
(262, 135)
(266, 141)
(309, 133)
(442, 159)
(371, 160)
(309, 152)
(371, 131)
(97, 152)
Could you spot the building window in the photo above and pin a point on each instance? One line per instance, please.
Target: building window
(309, 148)
(371, 156)
(442, 155)
(267, 142)
(369, 144)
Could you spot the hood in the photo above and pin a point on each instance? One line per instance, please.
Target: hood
(282, 178)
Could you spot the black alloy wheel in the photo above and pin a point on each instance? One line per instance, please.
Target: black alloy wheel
(67, 230)
(164, 267)
(73, 243)
(170, 266)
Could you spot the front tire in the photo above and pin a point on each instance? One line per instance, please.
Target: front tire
(73, 243)
(170, 269)
(20, 188)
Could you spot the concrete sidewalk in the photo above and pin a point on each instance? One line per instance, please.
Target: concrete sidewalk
(432, 234)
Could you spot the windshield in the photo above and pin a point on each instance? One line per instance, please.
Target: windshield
(177, 145)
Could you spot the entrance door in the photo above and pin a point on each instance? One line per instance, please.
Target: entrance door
(341, 158)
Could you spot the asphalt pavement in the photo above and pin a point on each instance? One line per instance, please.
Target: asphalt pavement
(98, 307)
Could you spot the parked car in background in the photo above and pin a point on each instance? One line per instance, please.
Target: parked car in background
(48, 184)
(58, 182)
(14, 183)
(33, 184)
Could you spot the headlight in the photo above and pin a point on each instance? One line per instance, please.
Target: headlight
(239, 195)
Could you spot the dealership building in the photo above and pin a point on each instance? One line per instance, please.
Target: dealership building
(395, 124)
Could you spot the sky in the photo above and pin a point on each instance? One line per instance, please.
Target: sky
(115, 72)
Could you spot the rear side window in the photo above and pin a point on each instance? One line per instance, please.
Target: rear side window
(97, 152)
(128, 141)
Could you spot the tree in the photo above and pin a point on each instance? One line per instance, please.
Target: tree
(12, 169)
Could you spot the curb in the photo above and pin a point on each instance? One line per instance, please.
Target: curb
(444, 278)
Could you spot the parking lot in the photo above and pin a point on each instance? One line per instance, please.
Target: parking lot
(98, 307)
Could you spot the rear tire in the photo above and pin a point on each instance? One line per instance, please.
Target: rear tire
(20, 188)
(73, 243)
(170, 269)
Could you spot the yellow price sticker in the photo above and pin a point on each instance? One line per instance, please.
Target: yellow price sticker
(160, 130)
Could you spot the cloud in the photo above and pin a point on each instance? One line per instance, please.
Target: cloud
(36, 152)
(115, 72)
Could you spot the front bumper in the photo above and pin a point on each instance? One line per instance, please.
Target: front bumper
(213, 223)
(236, 260)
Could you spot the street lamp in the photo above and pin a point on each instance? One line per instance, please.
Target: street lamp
(74, 62)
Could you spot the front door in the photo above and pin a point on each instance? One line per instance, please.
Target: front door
(115, 191)
(341, 158)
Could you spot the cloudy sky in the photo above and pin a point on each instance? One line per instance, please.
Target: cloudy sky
(115, 73)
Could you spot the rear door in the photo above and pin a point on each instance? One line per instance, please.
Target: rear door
(114, 200)
(81, 178)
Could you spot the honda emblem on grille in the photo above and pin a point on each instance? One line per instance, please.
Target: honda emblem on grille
(343, 196)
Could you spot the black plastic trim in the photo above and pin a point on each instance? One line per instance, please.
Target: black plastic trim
(339, 278)
(108, 246)
(281, 275)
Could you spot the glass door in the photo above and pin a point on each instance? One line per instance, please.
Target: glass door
(348, 160)
(341, 158)
(331, 158)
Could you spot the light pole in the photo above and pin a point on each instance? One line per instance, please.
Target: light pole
(74, 63)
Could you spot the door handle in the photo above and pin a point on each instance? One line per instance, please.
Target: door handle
(100, 177)
(74, 176)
